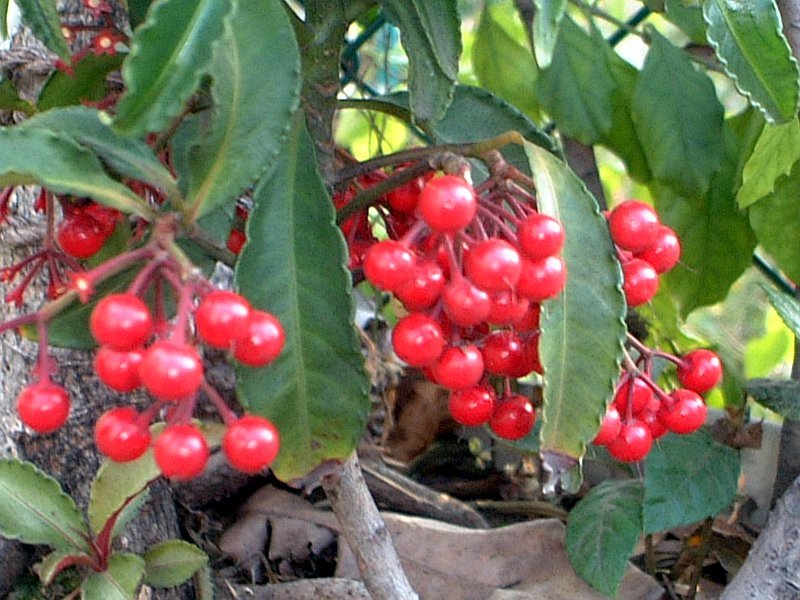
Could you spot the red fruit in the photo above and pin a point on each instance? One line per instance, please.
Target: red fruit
(464, 304)
(121, 322)
(685, 414)
(80, 236)
(540, 236)
(635, 391)
(503, 354)
(251, 444)
(447, 203)
(418, 340)
(542, 279)
(513, 417)
(633, 225)
(120, 436)
(389, 264)
(458, 367)
(171, 370)
(43, 406)
(609, 427)
(406, 197)
(423, 289)
(493, 265)
(473, 406)
(221, 318)
(181, 452)
(507, 308)
(119, 369)
(530, 320)
(640, 281)
(700, 370)
(665, 252)
(262, 342)
(633, 442)
(236, 240)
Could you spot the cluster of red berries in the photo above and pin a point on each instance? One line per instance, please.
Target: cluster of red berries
(641, 411)
(645, 247)
(471, 266)
(85, 228)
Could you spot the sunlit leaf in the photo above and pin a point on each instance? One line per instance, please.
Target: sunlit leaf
(546, 24)
(775, 152)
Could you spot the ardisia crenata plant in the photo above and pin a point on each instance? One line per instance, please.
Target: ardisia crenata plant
(173, 142)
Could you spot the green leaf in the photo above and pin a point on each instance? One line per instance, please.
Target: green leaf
(35, 510)
(4, 18)
(128, 157)
(546, 24)
(578, 88)
(115, 483)
(430, 34)
(137, 11)
(55, 562)
(688, 16)
(251, 114)
(169, 54)
(10, 100)
(781, 396)
(503, 65)
(776, 222)
(60, 164)
(787, 306)
(749, 41)
(293, 266)
(775, 152)
(583, 329)
(602, 531)
(717, 242)
(41, 16)
(118, 582)
(172, 562)
(687, 478)
(681, 133)
(86, 83)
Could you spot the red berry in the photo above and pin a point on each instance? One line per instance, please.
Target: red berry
(640, 282)
(418, 340)
(458, 367)
(251, 444)
(473, 406)
(80, 236)
(665, 252)
(120, 436)
(635, 391)
(503, 353)
(119, 369)
(464, 304)
(493, 265)
(406, 197)
(507, 308)
(447, 203)
(542, 279)
(236, 240)
(685, 414)
(221, 318)
(633, 442)
(609, 427)
(423, 289)
(513, 417)
(171, 370)
(181, 452)
(700, 370)
(44, 407)
(540, 236)
(121, 321)
(654, 424)
(263, 340)
(633, 225)
(105, 217)
(530, 320)
(389, 264)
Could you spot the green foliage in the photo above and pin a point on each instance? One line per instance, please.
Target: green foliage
(41, 16)
(250, 119)
(681, 134)
(582, 330)
(170, 52)
(687, 478)
(432, 40)
(86, 83)
(777, 149)
(172, 563)
(546, 24)
(787, 306)
(316, 390)
(118, 582)
(749, 42)
(603, 530)
(115, 483)
(34, 510)
(10, 100)
(782, 397)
